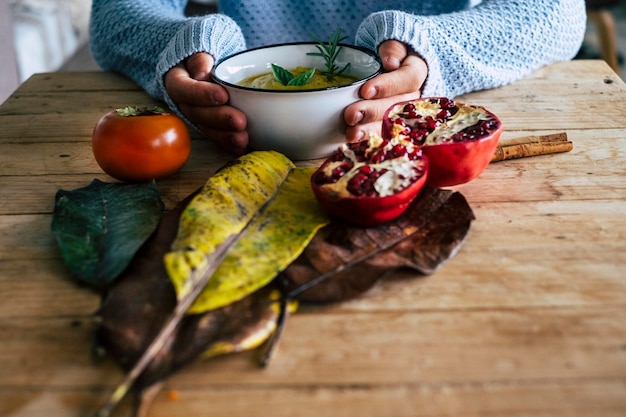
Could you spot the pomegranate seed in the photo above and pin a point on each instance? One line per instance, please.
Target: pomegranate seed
(446, 103)
(319, 178)
(357, 185)
(418, 136)
(366, 169)
(489, 124)
(397, 151)
(337, 156)
(338, 172)
(410, 111)
(431, 124)
(443, 115)
(379, 156)
(359, 178)
(415, 154)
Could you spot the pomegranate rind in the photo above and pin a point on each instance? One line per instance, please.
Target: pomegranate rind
(459, 163)
(369, 211)
(450, 163)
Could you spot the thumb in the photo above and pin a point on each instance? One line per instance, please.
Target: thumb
(199, 66)
(392, 53)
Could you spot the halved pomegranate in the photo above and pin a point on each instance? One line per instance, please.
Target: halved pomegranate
(370, 182)
(458, 139)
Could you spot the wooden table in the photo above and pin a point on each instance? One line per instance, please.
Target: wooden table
(529, 318)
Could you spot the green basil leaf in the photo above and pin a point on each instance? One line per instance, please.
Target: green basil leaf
(302, 78)
(99, 228)
(281, 75)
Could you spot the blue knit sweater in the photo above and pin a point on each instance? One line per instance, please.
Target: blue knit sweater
(466, 48)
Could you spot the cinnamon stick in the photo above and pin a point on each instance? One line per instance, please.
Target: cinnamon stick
(532, 146)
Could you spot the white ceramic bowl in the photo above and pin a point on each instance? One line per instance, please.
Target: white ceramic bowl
(300, 124)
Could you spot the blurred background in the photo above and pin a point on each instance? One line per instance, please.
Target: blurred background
(52, 35)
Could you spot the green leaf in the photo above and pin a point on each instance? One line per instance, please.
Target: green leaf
(99, 228)
(281, 75)
(302, 78)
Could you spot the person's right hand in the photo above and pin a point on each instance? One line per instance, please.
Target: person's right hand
(203, 102)
(402, 79)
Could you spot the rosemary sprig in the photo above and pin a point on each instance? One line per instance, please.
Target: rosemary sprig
(329, 51)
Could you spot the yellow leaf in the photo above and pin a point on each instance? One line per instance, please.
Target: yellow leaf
(285, 216)
(253, 336)
(223, 208)
(268, 246)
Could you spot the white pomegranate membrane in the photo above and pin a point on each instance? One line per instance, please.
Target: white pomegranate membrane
(440, 120)
(371, 168)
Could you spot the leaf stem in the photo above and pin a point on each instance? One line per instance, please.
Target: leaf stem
(200, 279)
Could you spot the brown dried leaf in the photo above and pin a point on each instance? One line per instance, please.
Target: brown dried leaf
(135, 309)
(347, 261)
(343, 261)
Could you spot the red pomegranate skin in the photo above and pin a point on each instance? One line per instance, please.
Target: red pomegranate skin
(458, 139)
(334, 182)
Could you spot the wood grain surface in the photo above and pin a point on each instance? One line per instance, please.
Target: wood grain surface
(529, 318)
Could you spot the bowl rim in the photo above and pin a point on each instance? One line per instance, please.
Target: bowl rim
(265, 90)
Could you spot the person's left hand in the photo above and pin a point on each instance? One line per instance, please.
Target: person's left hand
(402, 79)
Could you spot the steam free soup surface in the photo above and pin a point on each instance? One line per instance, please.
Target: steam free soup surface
(267, 81)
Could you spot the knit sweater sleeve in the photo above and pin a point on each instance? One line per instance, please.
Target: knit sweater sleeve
(488, 46)
(143, 39)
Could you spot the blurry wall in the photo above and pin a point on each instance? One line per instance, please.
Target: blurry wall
(9, 79)
(39, 36)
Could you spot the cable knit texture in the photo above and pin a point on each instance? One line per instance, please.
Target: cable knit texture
(466, 48)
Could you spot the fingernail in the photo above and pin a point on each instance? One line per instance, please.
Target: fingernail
(393, 63)
(216, 98)
(370, 93)
(200, 76)
(357, 119)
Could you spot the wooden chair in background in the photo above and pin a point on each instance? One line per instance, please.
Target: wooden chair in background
(599, 13)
